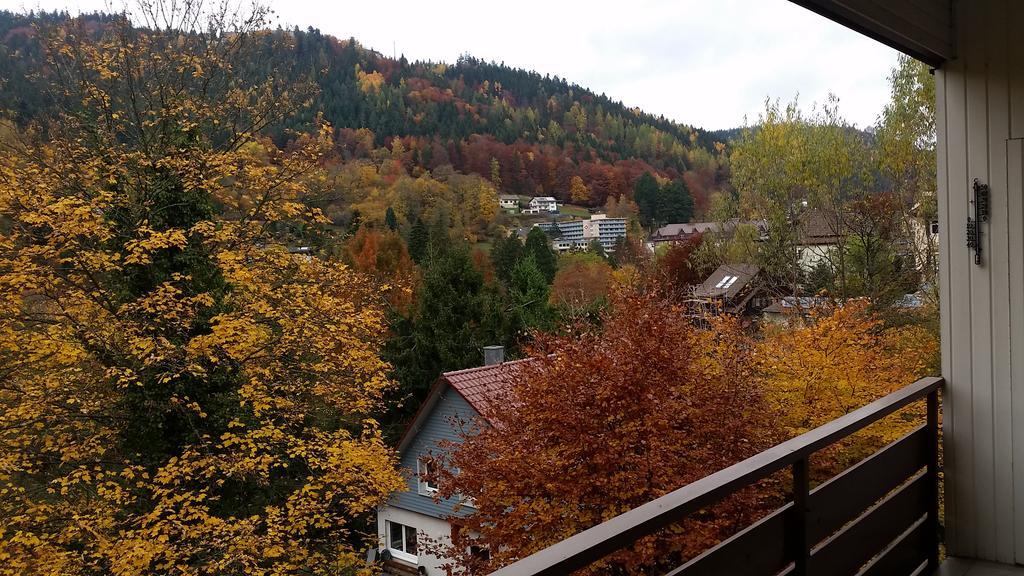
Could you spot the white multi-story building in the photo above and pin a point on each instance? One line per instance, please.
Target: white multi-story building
(578, 234)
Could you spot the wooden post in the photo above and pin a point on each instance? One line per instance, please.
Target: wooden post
(801, 549)
(933, 481)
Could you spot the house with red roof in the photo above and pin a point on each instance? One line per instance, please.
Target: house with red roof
(416, 515)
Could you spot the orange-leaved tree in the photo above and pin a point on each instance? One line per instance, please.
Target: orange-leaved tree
(678, 268)
(603, 420)
(179, 394)
(581, 285)
(382, 254)
(840, 359)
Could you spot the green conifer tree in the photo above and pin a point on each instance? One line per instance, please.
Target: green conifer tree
(354, 223)
(419, 240)
(674, 204)
(528, 295)
(390, 219)
(645, 194)
(455, 317)
(538, 245)
(505, 254)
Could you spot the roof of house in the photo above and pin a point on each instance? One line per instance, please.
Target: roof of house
(689, 228)
(509, 197)
(727, 281)
(819, 229)
(480, 387)
(670, 230)
(543, 199)
(485, 384)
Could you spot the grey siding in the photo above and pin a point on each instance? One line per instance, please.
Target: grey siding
(437, 426)
(979, 103)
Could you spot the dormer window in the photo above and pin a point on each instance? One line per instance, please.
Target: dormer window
(726, 282)
(425, 473)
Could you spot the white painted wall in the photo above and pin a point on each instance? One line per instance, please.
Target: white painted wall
(427, 527)
(813, 254)
(980, 109)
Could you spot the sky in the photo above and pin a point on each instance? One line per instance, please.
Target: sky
(708, 63)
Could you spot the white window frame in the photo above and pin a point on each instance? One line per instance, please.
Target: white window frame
(425, 488)
(397, 553)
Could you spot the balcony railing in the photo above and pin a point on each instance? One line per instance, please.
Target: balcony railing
(879, 517)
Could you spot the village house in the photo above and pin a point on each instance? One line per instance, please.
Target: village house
(415, 516)
(731, 289)
(786, 308)
(508, 201)
(541, 205)
(820, 238)
(678, 233)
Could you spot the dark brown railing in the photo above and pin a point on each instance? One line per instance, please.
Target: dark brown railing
(879, 517)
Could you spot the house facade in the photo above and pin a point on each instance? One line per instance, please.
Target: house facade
(508, 201)
(820, 239)
(414, 519)
(578, 234)
(541, 205)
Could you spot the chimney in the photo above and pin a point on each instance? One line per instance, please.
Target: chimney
(494, 355)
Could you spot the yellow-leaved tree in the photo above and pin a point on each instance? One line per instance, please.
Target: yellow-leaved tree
(179, 394)
(839, 360)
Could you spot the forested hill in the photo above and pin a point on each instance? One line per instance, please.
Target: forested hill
(536, 131)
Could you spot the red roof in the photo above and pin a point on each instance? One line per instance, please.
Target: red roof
(479, 386)
(485, 384)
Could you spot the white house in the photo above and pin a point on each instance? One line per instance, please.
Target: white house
(508, 201)
(820, 239)
(541, 204)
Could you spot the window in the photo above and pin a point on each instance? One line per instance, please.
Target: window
(480, 553)
(425, 475)
(726, 282)
(402, 542)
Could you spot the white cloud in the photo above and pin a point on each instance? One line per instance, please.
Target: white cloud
(702, 62)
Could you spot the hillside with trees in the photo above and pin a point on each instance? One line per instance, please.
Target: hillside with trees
(529, 133)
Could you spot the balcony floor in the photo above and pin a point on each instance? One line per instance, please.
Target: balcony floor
(960, 567)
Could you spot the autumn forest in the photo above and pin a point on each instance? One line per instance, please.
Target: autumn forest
(235, 260)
